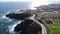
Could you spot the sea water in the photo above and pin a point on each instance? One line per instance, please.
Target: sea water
(7, 25)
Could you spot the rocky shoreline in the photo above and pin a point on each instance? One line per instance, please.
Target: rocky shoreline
(44, 14)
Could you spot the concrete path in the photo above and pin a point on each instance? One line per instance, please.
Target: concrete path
(44, 30)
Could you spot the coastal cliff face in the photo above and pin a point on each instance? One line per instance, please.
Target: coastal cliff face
(51, 10)
(18, 16)
(28, 27)
(44, 14)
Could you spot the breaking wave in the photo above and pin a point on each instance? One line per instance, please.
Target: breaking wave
(12, 27)
(4, 16)
(10, 23)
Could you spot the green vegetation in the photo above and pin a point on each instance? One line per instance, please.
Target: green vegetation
(57, 27)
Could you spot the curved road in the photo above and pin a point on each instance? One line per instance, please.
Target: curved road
(44, 30)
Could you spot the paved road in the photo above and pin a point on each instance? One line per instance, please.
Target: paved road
(44, 30)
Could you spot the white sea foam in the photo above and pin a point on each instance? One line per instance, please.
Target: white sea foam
(8, 12)
(4, 16)
(10, 20)
(18, 10)
(12, 27)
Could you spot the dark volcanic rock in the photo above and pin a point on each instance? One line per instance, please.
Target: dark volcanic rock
(19, 16)
(28, 27)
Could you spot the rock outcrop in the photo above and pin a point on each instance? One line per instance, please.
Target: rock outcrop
(18, 15)
(28, 27)
(46, 12)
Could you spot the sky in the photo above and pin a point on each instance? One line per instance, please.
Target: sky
(34, 3)
(15, 0)
(27, 0)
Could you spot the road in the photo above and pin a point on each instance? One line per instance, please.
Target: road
(44, 30)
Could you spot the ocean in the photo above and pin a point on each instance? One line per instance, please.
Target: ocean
(7, 25)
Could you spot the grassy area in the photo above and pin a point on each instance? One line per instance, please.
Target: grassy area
(57, 27)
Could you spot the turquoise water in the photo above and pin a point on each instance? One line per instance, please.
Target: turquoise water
(7, 25)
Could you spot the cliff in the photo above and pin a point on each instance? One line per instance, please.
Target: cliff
(18, 16)
(44, 14)
(28, 27)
